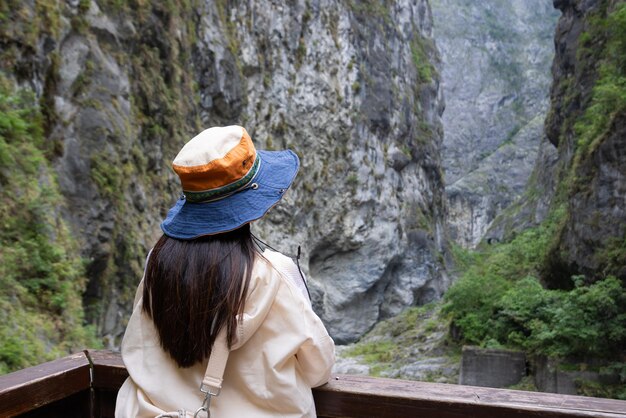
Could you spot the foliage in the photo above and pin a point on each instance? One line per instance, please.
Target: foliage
(594, 104)
(375, 351)
(157, 58)
(22, 25)
(600, 390)
(527, 383)
(585, 321)
(41, 274)
(229, 25)
(414, 334)
(419, 54)
(409, 320)
(379, 355)
(356, 87)
(609, 94)
(588, 321)
(372, 9)
(352, 180)
(605, 40)
(463, 258)
(499, 301)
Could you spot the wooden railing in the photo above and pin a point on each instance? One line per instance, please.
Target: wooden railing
(86, 385)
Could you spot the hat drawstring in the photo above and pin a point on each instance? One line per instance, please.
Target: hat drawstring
(302, 275)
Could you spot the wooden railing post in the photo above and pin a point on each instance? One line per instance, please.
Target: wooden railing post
(49, 384)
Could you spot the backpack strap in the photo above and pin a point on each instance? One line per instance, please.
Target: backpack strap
(214, 376)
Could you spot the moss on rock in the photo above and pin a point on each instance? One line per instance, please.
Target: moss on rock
(41, 272)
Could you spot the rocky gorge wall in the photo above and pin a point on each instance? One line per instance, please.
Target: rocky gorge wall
(352, 87)
(548, 279)
(580, 190)
(114, 102)
(496, 59)
(587, 124)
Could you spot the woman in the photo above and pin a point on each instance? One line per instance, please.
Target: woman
(212, 311)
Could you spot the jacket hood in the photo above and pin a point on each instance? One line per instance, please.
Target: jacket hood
(270, 268)
(264, 283)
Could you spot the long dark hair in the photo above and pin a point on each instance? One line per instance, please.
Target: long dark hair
(194, 288)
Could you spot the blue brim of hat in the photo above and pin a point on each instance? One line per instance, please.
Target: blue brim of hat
(188, 220)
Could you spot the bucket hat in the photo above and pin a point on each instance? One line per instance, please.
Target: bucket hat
(226, 182)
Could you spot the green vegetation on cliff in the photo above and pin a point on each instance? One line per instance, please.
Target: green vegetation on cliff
(606, 109)
(499, 303)
(585, 120)
(51, 285)
(608, 99)
(412, 345)
(156, 57)
(41, 273)
(493, 305)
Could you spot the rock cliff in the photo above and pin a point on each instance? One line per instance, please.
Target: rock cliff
(587, 123)
(496, 57)
(581, 188)
(352, 87)
(114, 88)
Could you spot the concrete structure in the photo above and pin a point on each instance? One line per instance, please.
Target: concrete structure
(491, 368)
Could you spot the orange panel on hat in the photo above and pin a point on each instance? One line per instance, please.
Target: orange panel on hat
(221, 172)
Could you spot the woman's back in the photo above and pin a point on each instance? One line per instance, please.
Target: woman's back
(207, 289)
(282, 350)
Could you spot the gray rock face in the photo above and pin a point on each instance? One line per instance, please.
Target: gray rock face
(534, 205)
(425, 369)
(477, 199)
(90, 70)
(412, 345)
(352, 87)
(591, 170)
(108, 201)
(342, 86)
(496, 57)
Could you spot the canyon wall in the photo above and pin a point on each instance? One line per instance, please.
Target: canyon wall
(496, 58)
(352, 87)
(580, 191)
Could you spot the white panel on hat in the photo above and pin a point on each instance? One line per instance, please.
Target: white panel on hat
(210, 144)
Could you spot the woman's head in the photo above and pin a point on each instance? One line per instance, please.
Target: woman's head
(193, 288)
(198, 273)
(226, 183)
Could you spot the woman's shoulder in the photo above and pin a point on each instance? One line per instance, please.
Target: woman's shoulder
(278, 260)
(288, 271)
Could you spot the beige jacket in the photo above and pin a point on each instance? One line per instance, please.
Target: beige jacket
(281, 352)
